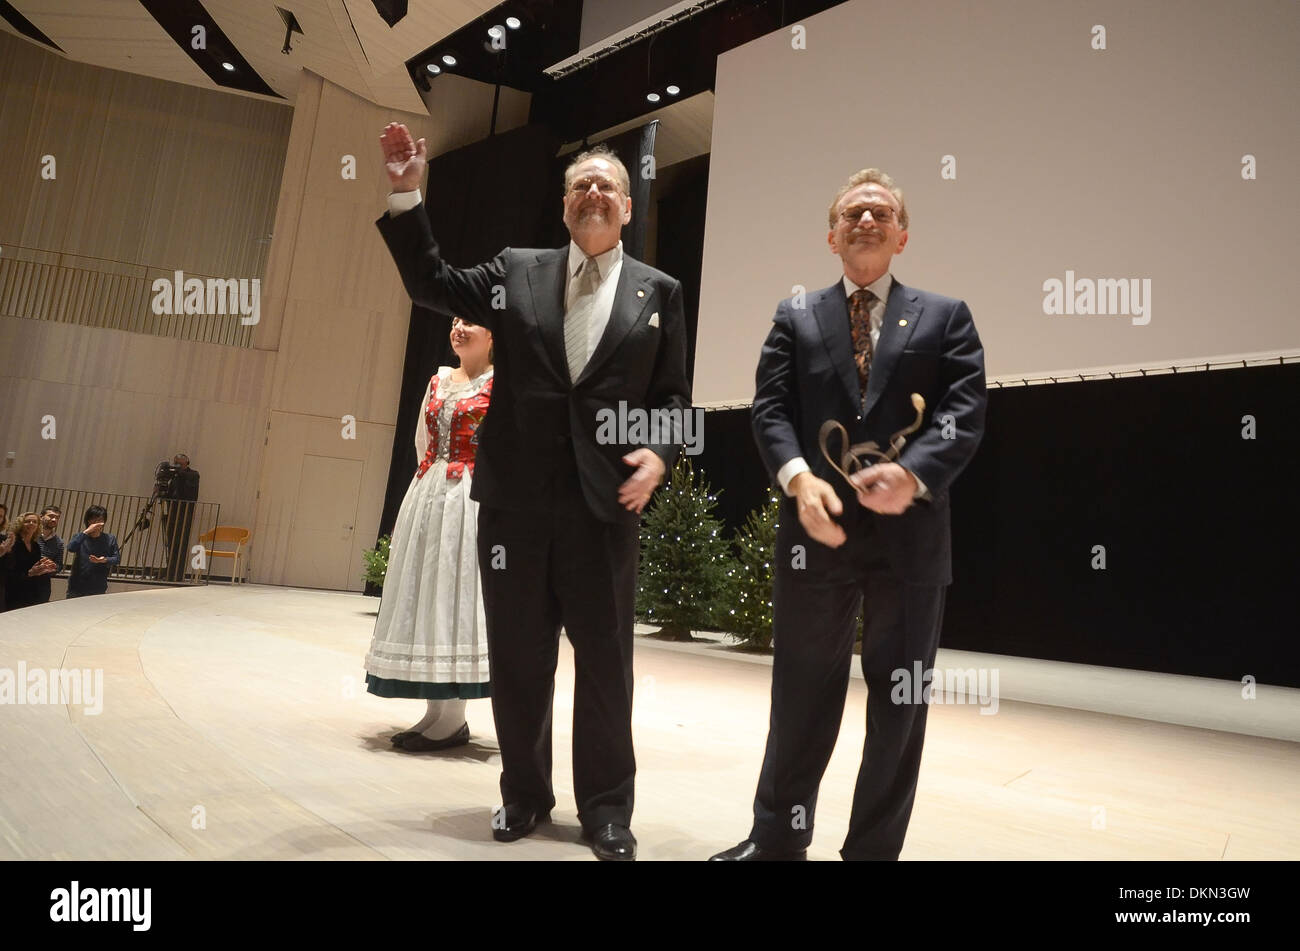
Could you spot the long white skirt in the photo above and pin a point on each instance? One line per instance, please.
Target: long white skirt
(431, 636)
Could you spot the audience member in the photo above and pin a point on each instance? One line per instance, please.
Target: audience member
(96, 552)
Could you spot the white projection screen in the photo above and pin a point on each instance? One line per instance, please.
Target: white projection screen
(1167, 159)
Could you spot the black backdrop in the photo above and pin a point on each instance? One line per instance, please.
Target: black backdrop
(1199, 525)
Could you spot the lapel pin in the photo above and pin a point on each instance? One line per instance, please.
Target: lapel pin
(640, 293)
(902, 323)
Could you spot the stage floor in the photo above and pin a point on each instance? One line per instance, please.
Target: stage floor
(235, 725)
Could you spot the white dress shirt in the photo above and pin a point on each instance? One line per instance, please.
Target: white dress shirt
(880, 287)
(403, 201)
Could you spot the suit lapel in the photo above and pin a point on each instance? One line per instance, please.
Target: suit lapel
(546, 281)
(631, 295)
(831, 311)
(901, 314)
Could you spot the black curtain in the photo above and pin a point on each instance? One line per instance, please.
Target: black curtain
(730, 463)
(1199, 524)
(680, 242)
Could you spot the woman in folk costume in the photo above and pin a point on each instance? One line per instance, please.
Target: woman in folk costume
(430, 641)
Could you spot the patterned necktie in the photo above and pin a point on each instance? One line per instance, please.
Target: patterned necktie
(860, 328)
(577, 322)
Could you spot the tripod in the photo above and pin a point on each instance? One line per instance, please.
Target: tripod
(142, 523)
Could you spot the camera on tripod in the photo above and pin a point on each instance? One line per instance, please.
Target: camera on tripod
(163, 476)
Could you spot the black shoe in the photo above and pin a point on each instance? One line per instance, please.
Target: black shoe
(514, 821)
(397, 738)
(611, 843)
(751, 851)
(419, 743)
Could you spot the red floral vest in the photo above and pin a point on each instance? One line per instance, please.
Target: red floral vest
(465, 420)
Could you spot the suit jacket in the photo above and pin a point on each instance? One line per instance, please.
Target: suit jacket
(806, 375)
(541, 424)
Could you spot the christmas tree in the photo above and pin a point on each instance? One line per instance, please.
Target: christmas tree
(684, 558)
(748, 617)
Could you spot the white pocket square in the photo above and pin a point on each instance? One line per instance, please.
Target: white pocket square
(654, 319)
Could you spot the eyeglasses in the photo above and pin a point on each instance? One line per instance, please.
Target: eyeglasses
(882, 214)
(583, 185)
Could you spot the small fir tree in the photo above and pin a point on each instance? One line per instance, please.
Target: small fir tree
(376, 560)
(684, 558)
(748, 616)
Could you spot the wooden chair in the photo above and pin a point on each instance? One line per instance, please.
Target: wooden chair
(224, 534)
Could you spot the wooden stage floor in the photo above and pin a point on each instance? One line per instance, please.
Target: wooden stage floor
(235, 725)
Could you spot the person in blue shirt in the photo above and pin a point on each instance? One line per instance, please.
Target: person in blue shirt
(96, 552)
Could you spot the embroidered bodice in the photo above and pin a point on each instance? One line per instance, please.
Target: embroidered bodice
(452, 414)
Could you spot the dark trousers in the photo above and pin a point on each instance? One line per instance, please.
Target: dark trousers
(180, 519)
(541, 570)
(815, 613)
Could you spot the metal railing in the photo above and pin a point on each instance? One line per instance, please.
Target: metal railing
(157, 536)
(99, 292)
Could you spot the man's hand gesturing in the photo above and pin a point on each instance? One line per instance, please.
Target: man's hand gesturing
(405, 160)
(817, 502)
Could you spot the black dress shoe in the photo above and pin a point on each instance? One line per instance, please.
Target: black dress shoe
(397, 738)
(419, 743)
(751, 851)
(514, 821)
(611, 843)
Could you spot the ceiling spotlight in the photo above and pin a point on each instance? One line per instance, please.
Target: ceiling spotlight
(513, 23)
(449, 59)
(229, 67)
(652, 97)
(434, 68)
(496, 32)
(674, 90)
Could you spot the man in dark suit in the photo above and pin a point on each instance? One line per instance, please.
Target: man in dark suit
(182, 492)
(577, 331)
(855, 353)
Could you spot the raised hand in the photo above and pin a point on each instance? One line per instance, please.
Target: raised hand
(404, 159)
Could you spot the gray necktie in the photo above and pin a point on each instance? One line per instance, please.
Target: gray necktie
(577, 322)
